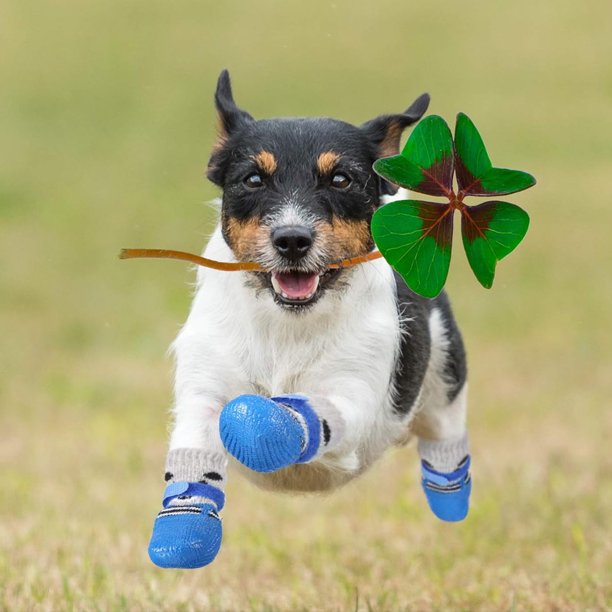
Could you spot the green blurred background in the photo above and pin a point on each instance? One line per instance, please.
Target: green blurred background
(106, 123)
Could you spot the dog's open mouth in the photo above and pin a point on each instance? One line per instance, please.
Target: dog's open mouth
(298, 288)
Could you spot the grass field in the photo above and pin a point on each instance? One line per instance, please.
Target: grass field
(106, 122)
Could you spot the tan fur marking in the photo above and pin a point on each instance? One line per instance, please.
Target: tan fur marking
(266, 162)
(327, 161)
(390, 145)
(221, 140)
(343, 239)
(245, 237)
(304, 477)
(421, 428)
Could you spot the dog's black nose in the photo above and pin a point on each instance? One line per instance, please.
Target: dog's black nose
(292, 241)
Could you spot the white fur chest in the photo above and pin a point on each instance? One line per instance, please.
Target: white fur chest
(348, 338)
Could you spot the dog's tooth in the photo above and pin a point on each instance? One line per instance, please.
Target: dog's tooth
(275, 285)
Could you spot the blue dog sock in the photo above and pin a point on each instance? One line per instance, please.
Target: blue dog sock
(187, 532)
(269, 434)
(446, 480)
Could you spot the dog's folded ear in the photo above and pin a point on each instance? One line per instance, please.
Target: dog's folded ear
(230, 119)
(385, 131)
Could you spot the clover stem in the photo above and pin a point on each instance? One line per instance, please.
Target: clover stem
(243, 266)
(456, 201)
(196, 259)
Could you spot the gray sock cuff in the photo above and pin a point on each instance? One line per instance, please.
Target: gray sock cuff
(196, 465)
(444, 455)
(332, 423)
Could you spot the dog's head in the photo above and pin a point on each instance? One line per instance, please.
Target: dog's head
(299, 193)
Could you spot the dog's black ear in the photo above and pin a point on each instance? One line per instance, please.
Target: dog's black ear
(230, 116)
(385, 131)
(230, 119)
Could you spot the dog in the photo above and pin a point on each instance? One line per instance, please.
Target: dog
(304, 375)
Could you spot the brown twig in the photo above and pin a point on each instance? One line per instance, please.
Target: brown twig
(224, 266)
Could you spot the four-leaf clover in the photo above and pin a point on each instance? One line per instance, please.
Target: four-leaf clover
(415, 236)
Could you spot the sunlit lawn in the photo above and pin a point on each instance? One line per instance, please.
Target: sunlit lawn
(106, 123)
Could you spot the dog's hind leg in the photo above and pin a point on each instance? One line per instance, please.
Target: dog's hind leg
(441, 423)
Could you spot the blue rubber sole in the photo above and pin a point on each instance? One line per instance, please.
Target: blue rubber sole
(259, 433)
(186, 537)
(450, 506)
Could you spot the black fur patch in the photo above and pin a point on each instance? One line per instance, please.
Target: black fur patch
(455, 368)
(415, 346)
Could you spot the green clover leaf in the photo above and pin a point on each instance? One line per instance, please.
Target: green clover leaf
(475, 173)
(415, 236)
(490, 231)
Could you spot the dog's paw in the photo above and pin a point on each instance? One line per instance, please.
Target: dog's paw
(186, 536)
(260, 433)
(448, 494)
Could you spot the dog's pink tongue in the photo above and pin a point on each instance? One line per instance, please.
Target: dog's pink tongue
(297, 285)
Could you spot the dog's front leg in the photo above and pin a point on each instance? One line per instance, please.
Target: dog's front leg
(267, 434)
(331, 422)
(187, 532)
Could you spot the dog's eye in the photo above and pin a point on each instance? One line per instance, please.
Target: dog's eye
(253, 181)
(340, 181)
